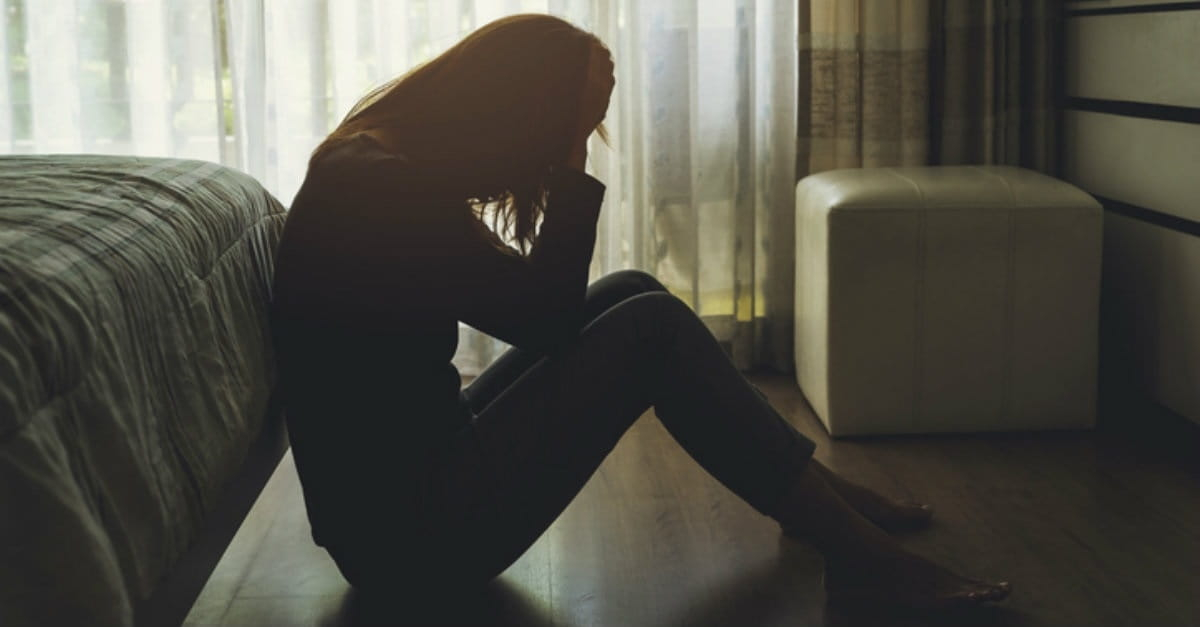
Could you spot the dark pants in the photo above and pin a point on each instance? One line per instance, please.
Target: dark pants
(544, 424)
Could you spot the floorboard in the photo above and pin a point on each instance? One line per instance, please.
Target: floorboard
(1092, 528)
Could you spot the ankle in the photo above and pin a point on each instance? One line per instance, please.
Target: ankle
(814, 511)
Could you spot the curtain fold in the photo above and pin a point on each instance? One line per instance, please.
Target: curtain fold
(924, 82)
(864, 78)
(703, 119)
(994, 93)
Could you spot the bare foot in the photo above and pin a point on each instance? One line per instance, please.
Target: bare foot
(887, 514)
(905, 580)
(865, 565)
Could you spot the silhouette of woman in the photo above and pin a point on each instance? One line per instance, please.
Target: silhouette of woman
(412, 484)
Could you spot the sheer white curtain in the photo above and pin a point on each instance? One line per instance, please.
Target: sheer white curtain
(703, 122)
(108, 76)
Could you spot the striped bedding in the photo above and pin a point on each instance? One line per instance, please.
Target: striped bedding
(135, 369)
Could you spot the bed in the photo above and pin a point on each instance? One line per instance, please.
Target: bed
(136, 422)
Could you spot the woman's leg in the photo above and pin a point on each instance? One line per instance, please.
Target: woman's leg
(602, 294)
(535, 445)
(508, 476)
(616, 287)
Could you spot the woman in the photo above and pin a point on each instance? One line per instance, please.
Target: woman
(411, 484)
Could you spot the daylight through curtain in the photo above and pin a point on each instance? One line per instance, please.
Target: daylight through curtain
(703, 117)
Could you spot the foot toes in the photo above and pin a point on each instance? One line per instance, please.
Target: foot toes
(903, 516)
(1000, 591)
(988, 593)
(917, 510)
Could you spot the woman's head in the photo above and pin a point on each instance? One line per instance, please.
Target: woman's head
(497, 111)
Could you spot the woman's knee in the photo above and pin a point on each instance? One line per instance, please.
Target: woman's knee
(653, 306)
(629, 282)
(613, 288)
(645, 280)
(641, 328)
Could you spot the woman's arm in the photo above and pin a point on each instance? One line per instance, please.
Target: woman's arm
(533, 302)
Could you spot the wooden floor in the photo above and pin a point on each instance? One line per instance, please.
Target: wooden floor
(1092, 528)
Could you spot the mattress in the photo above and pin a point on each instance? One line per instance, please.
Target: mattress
(135, 369)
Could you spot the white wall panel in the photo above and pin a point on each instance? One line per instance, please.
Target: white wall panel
(1149, 163)
(1151, 273)
(1144, 57)
(1152, 297)
(1077, 5)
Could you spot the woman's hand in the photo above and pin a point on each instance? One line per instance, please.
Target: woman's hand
(593, 104)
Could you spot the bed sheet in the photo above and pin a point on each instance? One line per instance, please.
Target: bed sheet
(135, 370)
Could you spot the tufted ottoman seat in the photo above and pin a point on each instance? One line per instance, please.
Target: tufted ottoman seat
(940, 299)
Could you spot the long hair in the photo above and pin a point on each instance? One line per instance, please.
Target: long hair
(501, 105)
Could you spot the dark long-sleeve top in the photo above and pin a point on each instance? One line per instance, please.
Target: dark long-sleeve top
(375, 269)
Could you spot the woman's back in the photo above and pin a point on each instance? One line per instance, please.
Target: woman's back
(362, 346)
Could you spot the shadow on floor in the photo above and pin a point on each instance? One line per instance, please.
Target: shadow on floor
(788, 591)
(499, 603)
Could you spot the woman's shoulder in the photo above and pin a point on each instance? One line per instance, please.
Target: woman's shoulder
(357, 175)
(353, 155)
(359, 171)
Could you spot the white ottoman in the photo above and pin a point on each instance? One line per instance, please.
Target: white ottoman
(946, 299)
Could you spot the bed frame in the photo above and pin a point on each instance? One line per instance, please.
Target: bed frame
(177, 590)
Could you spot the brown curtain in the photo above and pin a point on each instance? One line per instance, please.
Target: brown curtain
(993, 81)
(864, 83)
(927, 82)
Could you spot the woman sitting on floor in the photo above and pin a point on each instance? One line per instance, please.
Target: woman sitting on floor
(412, 485)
